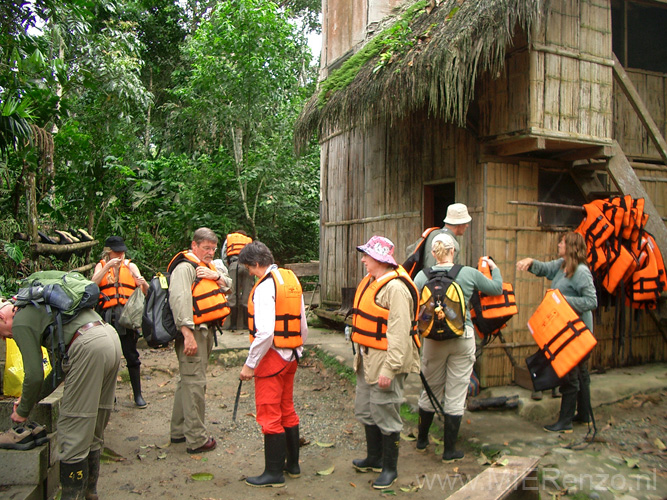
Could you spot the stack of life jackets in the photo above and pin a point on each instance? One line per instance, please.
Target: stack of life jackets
(490, 314)
(622, 255)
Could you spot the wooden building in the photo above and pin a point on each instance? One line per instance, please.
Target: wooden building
(485, 102)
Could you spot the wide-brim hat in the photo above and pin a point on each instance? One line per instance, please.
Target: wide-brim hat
(457, 213)
(379, 248)
(115, 243)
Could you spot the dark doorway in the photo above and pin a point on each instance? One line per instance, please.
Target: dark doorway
(437, 197)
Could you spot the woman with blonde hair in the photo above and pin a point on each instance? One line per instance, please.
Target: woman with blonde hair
(447, 364)
(117, 278)
(570, 274)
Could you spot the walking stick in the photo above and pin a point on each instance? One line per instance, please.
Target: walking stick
(236, 401)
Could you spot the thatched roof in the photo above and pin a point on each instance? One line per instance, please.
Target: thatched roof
(452, 44)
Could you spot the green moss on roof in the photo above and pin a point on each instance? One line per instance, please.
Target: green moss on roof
(343, 76)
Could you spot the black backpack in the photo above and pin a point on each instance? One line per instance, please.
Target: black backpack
(442, 311)
(157, 322)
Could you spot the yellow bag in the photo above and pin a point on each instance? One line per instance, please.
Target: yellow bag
(13, 378)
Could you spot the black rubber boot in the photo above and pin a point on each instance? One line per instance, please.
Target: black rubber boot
(135, 380)
(452, 424)
(425, 421)
(582, 415)
(373, 460)
(389, 472)
(292, 468)
(568, 405)
(73, 479)
(93, 474)
(274, 460)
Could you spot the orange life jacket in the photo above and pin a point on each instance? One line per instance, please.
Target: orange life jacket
(415, 261)
(620, 266)
(287, 329)
(560, 333)
(648, 281)
(595, 227)
(236, 242)
(490, 313)
(209, 303)
(112, 294)
(369, 320)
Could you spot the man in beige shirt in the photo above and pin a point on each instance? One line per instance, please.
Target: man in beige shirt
(194, 279)
(384, 320)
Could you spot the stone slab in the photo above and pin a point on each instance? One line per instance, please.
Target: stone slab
(26, 467)
(45, 412)
(21, 492)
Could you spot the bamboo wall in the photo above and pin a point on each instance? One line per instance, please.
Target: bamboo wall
(628, 129)
(512, 233)
(372, 183)
(561, 84)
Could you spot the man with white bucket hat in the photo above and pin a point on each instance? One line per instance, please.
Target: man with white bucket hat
(456, 222)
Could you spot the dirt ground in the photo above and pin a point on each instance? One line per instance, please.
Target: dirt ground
(149, 467)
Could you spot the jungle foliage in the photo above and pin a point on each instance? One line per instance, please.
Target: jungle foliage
(150, 118)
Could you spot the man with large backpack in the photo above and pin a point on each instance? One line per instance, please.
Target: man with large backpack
(241, 279)
(199, 306)
(419, 253)
(93, 358)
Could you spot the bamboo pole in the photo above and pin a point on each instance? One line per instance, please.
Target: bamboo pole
(547, 204)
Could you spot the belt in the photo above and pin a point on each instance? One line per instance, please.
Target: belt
(83, 329)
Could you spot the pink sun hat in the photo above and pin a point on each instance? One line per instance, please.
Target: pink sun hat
(379, 248)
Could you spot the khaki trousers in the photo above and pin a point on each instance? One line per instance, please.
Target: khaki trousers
(189, 411)
(376, 406)
(88, 393)
(447, 365)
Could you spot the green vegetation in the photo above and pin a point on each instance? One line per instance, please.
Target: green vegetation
(150, 118)
(331, 363)
(408, 415)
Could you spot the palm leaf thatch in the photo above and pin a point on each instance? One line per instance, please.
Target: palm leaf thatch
(450, 45)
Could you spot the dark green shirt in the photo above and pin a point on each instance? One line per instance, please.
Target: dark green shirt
(30, 331)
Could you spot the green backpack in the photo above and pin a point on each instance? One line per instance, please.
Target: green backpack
(63, 294)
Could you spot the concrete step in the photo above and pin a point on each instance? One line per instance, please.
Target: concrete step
(44, 413)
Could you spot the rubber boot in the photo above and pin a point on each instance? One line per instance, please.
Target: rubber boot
(135, 380)
(73, 479)
(568, 405)
(374, 443)
(274, 460)
(93, 474)
(452, 424)
(582, 415)
(389, 472)
(425, 421)
(292, 468)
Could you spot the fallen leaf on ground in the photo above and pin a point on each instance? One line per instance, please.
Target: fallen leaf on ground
(411, 488)
(326, 472)
(202, 476)
(161, 456)
(353, 485)
(483, 459)
(632, 463)
(405, 437)
(324, 445)
(501, 463)
(659, 444)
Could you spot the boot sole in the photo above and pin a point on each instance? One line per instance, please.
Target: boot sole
(451, 460)
(293, 476)
(384, 487)
(563, 431)
(271, 485)
(367, 469)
